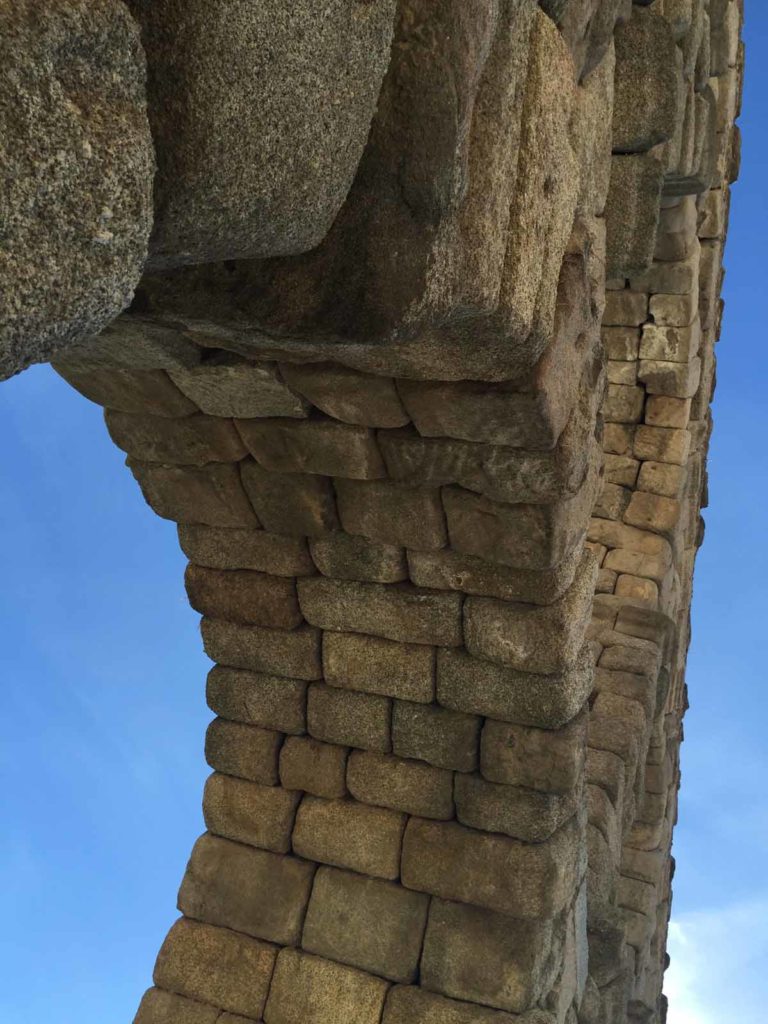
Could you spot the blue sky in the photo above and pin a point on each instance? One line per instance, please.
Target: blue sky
(103, 715)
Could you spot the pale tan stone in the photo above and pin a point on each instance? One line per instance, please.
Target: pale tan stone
(662, 478)
(638, 590)
(670, 344)
(679, 380)
(245, 549)
(250, 891)
(346, 395)
(367, 923)
(374, 665)
(653, 512)
(493, 871)
(249, 813)
(228, 386)
(407, 614)
(217, 966)
(662, 444)
(350, 835)
(665, 411)
(314, 767)
(400, 784)
(343, 556)
(311, 990)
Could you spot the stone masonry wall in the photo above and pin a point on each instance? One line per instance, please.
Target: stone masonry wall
(433, 428)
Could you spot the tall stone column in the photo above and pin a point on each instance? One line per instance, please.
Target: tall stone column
(440, 526)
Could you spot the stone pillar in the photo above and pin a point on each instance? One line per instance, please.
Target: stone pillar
(440, 529)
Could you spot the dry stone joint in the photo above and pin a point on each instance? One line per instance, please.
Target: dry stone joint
(406, 314)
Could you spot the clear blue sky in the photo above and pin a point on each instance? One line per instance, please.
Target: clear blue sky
(103, 712)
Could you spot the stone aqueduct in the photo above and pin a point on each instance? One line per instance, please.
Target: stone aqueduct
(405, 311)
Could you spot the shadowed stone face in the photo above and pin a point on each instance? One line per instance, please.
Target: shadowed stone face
(260, 110)
(76, 169)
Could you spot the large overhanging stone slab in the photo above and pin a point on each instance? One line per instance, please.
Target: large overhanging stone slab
(260, 111)
(645, 110)
(587, 26)
(445, 258)
(76, 168)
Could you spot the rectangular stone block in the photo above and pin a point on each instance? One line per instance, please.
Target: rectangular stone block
(670, 344)
(480, 687)
(216, 966)
(367, 923)
(371, 664)
(624, 374)
(294, 653)
(662, 444)
(211, 495)
(392, 513)
(134, 391)
(189, 441)
(447, 739)
(413, 1005)
(244, 751)
(679, 380)
(625, 308)
(346, 395)
(295, 504)
(396, 613)
(480, 412)
(271, 702)
(621, 343)
(250, 891)
(243, 596)
(310, 990)
(320, 446)
(314, 767)
(350, 835)
(520, 536)
(528, 637)
(493, 871)
(273, 553)
(527, 814)
(402, 785)
(620, 535)
(497, 472)
(621, 470)
(674, 310)
(664, 411)
(662, 478)
(623, 404)
(449, 570)
(654, 512)
(343, 556)
(228, 385)
(159, 1007)
(349, 719)
(617, 438)
(478, 955)
(550, 760)
(248, 813)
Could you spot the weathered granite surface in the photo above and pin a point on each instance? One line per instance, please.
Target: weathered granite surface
(439, 482)
(76, 165)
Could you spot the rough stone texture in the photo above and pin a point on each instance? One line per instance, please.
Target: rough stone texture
(311, 990)
(475, 955)
(258, 135)
(218, 966)
(450, 630)
(247, 890)
(367, 923)
(77, 174)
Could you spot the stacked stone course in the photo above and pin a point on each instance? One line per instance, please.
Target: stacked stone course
(437, 466)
